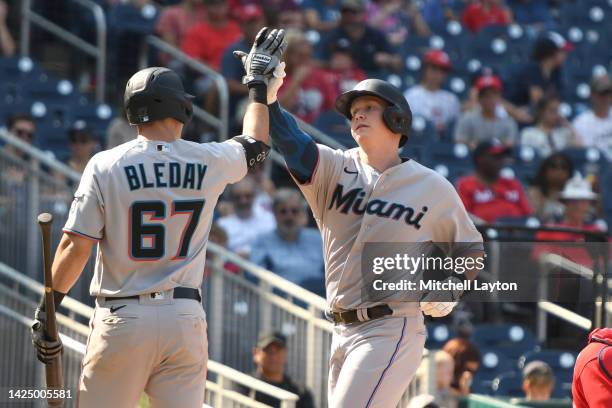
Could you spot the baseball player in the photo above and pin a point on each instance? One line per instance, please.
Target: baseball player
(364, 195)
(148, 205)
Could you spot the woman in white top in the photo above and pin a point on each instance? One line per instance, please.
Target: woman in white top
(552, 131)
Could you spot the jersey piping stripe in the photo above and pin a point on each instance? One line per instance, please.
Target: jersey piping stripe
(91, 327)
(73, 232)
(397, 346)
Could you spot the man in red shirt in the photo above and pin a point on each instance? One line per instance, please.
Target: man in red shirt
(592, 383)
(485, 12)
(208, 40)
(486, 195)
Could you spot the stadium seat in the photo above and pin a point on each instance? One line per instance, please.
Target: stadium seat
(510, 340)
(437, 335)
(492, 362)
(127, 18)
(335, 126)
(508, 385)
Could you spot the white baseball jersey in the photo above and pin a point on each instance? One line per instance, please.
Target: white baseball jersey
(353, 204)
(149, 204)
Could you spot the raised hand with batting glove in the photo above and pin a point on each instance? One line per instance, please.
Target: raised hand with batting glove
(264, 56)
(440, 304)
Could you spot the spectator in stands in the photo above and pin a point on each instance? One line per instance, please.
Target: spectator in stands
(594, 127)
(467, 361)
(445, 368)
(482, 13)
(533, 13)
(246, 222)
(591, 384)
(543, 75)
(23, 127)
(369, 46)
(552, 132)
(428, 99)
(119, 130)
(14, 191)
(251, 20)
(342, 72)
(175, 21)
(291, 19)
(437, 13)
(306, 91)
(484, 124)
(283, 13)
(549, 181)
(82, 145)
(538, 381)
(270, 357)
(7, 43)
(208, 39)
(321, 15)
(397, 19)
(578, 199)
(486, 195)
(291, 250)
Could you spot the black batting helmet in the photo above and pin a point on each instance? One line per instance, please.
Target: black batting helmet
(156, 93)
(397, 116)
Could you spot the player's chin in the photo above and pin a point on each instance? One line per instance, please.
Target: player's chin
(361, 135)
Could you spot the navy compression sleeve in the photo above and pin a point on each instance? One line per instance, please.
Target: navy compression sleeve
(297, 147)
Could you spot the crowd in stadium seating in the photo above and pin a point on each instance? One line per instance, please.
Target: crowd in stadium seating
(333, 44)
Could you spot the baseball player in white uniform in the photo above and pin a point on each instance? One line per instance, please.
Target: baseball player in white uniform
(148, 206)
(364, 195)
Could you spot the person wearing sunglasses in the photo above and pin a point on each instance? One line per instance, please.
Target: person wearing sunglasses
(82, 145)
(291, 250)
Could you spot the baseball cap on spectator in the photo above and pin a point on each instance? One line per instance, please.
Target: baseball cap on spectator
(438, 58)
(492, 147)
(353, 5)
(601, 84)
(488, 82)
(577, 188)
(267, 338)
(248, 12)
(549, 43)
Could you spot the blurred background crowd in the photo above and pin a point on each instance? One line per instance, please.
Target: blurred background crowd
(511, 100)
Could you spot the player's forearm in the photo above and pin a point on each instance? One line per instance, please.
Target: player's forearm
(70, 259)
(256, 120)
(297, 147)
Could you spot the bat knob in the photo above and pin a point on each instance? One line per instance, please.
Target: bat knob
(45, 218)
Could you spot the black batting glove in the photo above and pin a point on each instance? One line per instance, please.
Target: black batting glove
(46, 350)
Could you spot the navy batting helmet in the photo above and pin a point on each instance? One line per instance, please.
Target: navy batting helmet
(397, 116)
(156, 93)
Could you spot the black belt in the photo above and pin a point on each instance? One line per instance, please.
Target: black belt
(179, 293)
(352, 316)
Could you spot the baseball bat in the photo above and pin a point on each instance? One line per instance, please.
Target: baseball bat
(53, 371)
